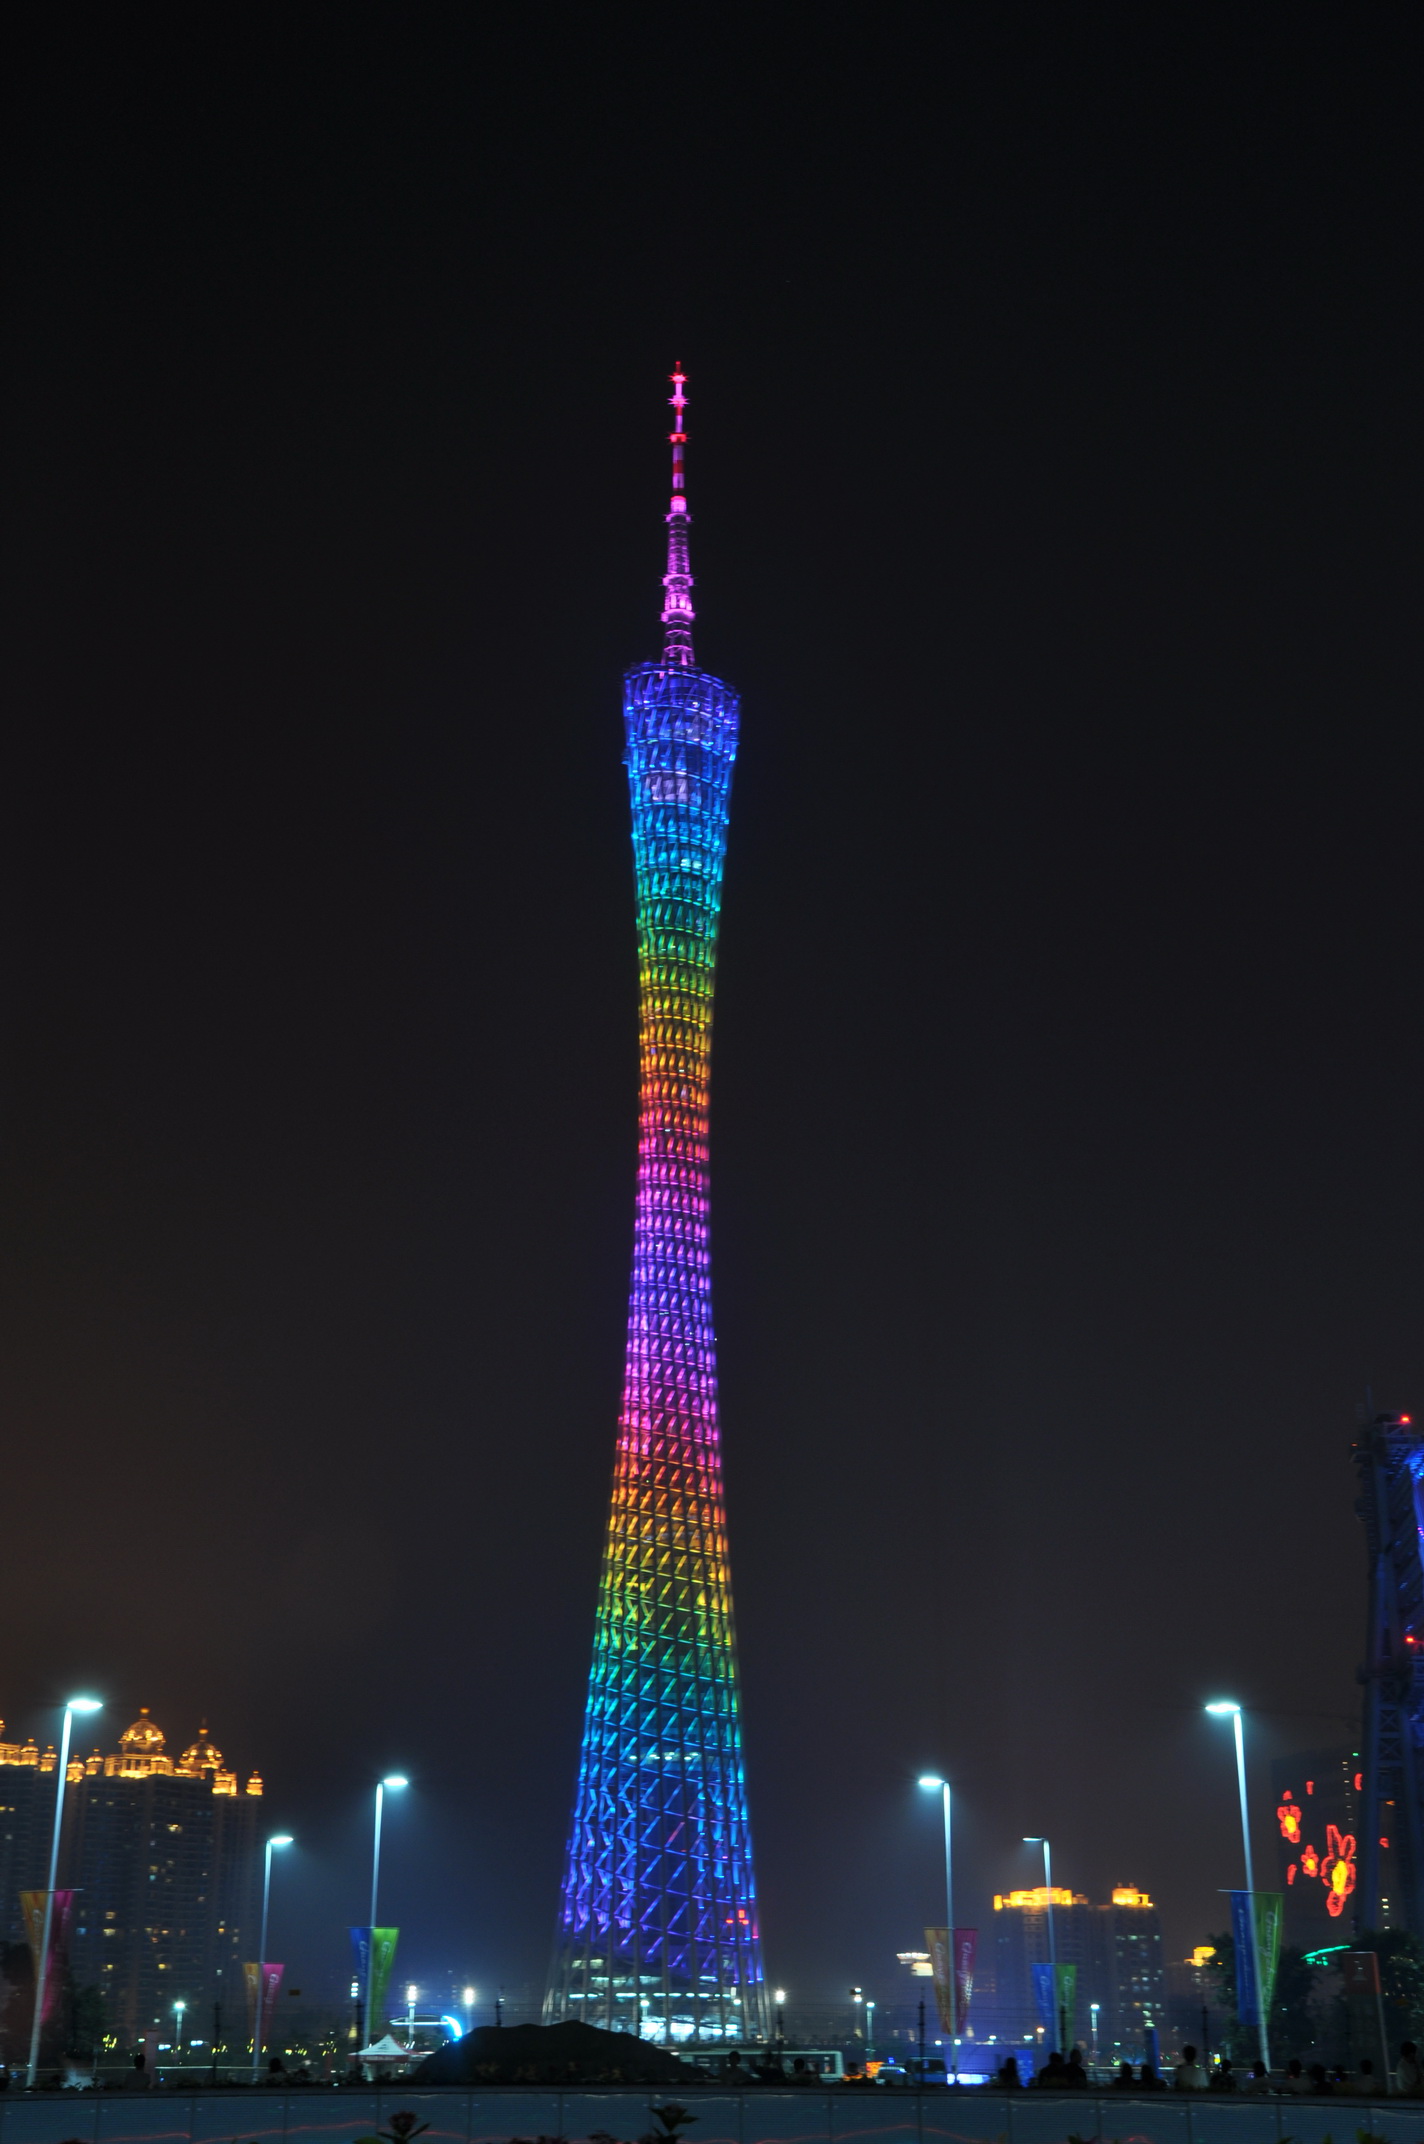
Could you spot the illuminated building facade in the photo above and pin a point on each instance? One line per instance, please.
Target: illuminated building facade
(165, 1859)
(657, 1928)
(1117, 1949)
(1382, 1881)
(1314, 1815)
(27, 1786)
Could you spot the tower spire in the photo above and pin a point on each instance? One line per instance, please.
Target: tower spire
(677, 604)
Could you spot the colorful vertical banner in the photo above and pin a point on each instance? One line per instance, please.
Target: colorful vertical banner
(966, 1946)
(966, 1941)
(383, 1958)
(1256, 1940)
(361, 1957)
(1057, 2005)
(271, 1981)
(32, 1909)
(1270, 1911)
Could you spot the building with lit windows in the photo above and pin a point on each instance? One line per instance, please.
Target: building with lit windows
(27, 1786)
(1117, 1949)
(164, 1857)
(1314, 1816)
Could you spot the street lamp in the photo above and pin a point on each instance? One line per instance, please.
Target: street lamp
(780, 2026)
(1034, 1840)
(1223, 1708)
(411, 1992)
(178, 2008)
(930, 1781)
(75, 1704)
(393, 1780)
(469, 2001)
(870, 2024)
(278, 1838)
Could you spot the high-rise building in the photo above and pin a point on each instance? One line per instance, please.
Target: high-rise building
(1116, 1948)
(1383, 1876)
(164, 1859)
(27, 1785)
(657, 1928)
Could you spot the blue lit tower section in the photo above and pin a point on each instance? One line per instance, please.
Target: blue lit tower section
(1388, 1882)
(658, 1925)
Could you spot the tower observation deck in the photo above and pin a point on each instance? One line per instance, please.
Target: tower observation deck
(658, 1930)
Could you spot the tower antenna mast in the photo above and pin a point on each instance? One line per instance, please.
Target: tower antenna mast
(678, 613)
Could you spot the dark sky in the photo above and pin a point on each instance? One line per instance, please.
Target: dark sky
(1056, 474)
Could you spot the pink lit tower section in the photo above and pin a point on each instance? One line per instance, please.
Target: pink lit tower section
(657, 1929)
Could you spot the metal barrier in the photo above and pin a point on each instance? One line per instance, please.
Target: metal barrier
(608, 2114)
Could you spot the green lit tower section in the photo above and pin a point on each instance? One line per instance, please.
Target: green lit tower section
(658, 1929)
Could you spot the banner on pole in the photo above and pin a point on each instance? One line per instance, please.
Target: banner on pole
(1057, 2003)
(937, 1944)
(32, 1909)
(1243, 1943)
(383, 1958)
(270, 1977)
(361, 1955)
(1270, 1908)
(966, 1945)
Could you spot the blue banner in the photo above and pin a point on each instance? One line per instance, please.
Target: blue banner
(361, 1954)
(1043, 2001)
(1243, 1938)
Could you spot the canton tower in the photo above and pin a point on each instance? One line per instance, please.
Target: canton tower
(658, 1929)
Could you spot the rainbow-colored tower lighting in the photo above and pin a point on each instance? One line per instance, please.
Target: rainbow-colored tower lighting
(658, 1928)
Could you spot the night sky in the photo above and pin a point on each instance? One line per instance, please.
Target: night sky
(1055, 473)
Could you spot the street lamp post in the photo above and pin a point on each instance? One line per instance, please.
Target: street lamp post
(393, 1780)
(870, 2024)
(411, 1992)
(1052, 1943)
(178, 2008)
(469, 1999)
(1226, 1708)
(780, 2025)
(278, 1838)
(929, 1782)
(75, 1704)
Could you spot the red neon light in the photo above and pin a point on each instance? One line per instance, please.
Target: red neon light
(1310, 1861)
(1359, 1781)
(1338, 1874)
(1310, 1786)
(1290, 1874)
(1288, 1817)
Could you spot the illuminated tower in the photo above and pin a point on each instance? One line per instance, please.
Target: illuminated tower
(658, 1921)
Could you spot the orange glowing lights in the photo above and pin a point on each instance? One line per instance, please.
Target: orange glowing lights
(1288, 1817)
(1338, 1874)
(1310, 1861)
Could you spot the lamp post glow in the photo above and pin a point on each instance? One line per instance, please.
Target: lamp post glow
(1052, 1944)
(278, 1838)
(780, 2027)
(393, 1780)
(75, 1704)
(178, 2008)
(469, 2001)
(1222, 1708)
(410, 1994)
(930, 1781)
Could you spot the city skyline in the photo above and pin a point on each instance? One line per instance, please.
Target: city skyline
(1057, 432)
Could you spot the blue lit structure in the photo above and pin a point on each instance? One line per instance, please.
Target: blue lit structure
(1389, 1889)
(658, 1925)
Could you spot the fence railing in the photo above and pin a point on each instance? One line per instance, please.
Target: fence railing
(592, 2114)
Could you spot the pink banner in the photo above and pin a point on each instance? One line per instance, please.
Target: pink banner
(32, 1907)
(271, 1982)
(966, 1944)
(966, 1941)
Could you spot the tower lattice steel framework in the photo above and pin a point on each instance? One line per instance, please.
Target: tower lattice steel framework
(658, 1928)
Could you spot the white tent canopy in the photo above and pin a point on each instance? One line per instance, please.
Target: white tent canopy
(384, 2050)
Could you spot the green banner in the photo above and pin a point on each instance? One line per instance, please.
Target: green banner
(1067, 2003)
(1269, 1906)
(383, 1958)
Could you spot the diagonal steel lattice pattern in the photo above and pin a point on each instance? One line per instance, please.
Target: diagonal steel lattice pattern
(658, 1925)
